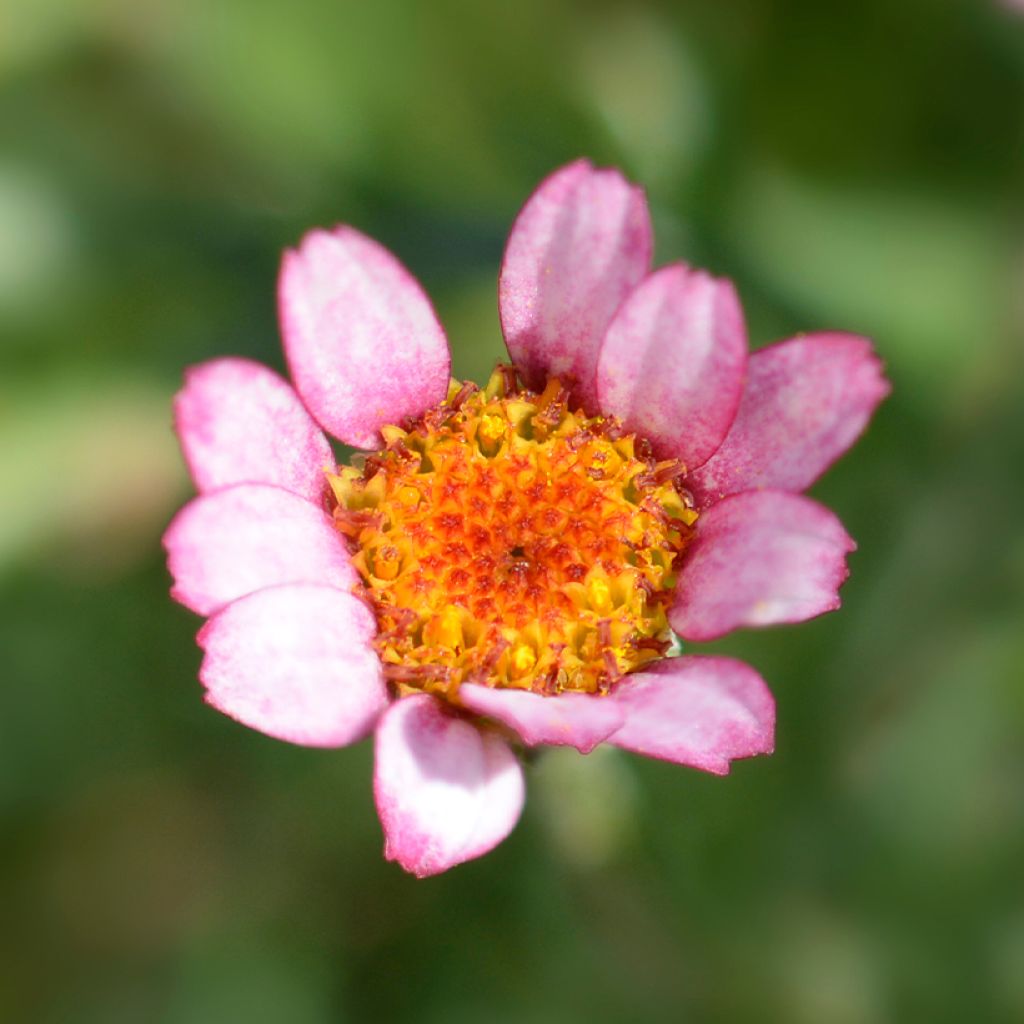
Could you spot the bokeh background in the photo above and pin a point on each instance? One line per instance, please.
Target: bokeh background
(855, 166)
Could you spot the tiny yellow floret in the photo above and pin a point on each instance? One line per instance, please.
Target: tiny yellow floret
(600, 595)
(491, 429)
(523, 659)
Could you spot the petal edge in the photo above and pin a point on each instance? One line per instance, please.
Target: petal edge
(446, 791)
(236, 540)
(672, 363)
(239, 422)
(805, 403)
(361, 338)
(760, 558)
(569, 719)
(578, 246)
(698, 710)
(295, 663)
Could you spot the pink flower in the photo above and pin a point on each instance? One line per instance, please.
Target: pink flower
(504, 570)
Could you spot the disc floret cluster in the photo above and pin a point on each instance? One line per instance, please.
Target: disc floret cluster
(506, 540)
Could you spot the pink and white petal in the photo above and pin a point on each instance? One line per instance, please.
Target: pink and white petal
(229, 543)
(577, 248)
(696, 710)
(296, 663)
(239, 422)
(760, 558)
(671, 366)
(806, 401)
(446, 791)
(361, 338)
(569, 719)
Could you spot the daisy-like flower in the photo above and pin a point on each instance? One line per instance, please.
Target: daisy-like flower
(507, 566)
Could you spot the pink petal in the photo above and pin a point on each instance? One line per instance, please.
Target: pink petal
(806, 401)
(569, 719)
(239, 422)
(699, 711)
(361, 338)
(228, 543)
(295, 663)
(672, 363)
(759, 558)
(446, 791)
(578, 246)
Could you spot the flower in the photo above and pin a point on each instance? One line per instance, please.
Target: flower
(507, 567)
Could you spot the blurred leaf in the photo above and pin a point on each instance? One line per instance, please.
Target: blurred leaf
(924, 277)
(90, 467)
(40, 253)
(645, 83)
(588, 803)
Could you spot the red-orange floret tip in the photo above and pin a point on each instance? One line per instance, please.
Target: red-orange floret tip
(504, 539)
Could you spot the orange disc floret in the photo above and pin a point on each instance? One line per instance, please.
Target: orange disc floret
(506, 540)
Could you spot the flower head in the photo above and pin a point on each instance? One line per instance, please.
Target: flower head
(507, 565)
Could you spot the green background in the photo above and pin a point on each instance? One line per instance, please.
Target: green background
(855, 166)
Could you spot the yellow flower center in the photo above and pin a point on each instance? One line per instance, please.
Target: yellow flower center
(506, 540)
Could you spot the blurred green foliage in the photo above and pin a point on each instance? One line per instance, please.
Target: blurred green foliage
(851, 166)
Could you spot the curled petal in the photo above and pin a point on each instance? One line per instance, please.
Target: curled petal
(296, 663)
(699, 711)
(361, 338)
(446, 791)
(239, 422)
(806, 401)
(578, 246)
(759, 558)
(231, 542)
(672, 363)
(569, 719)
